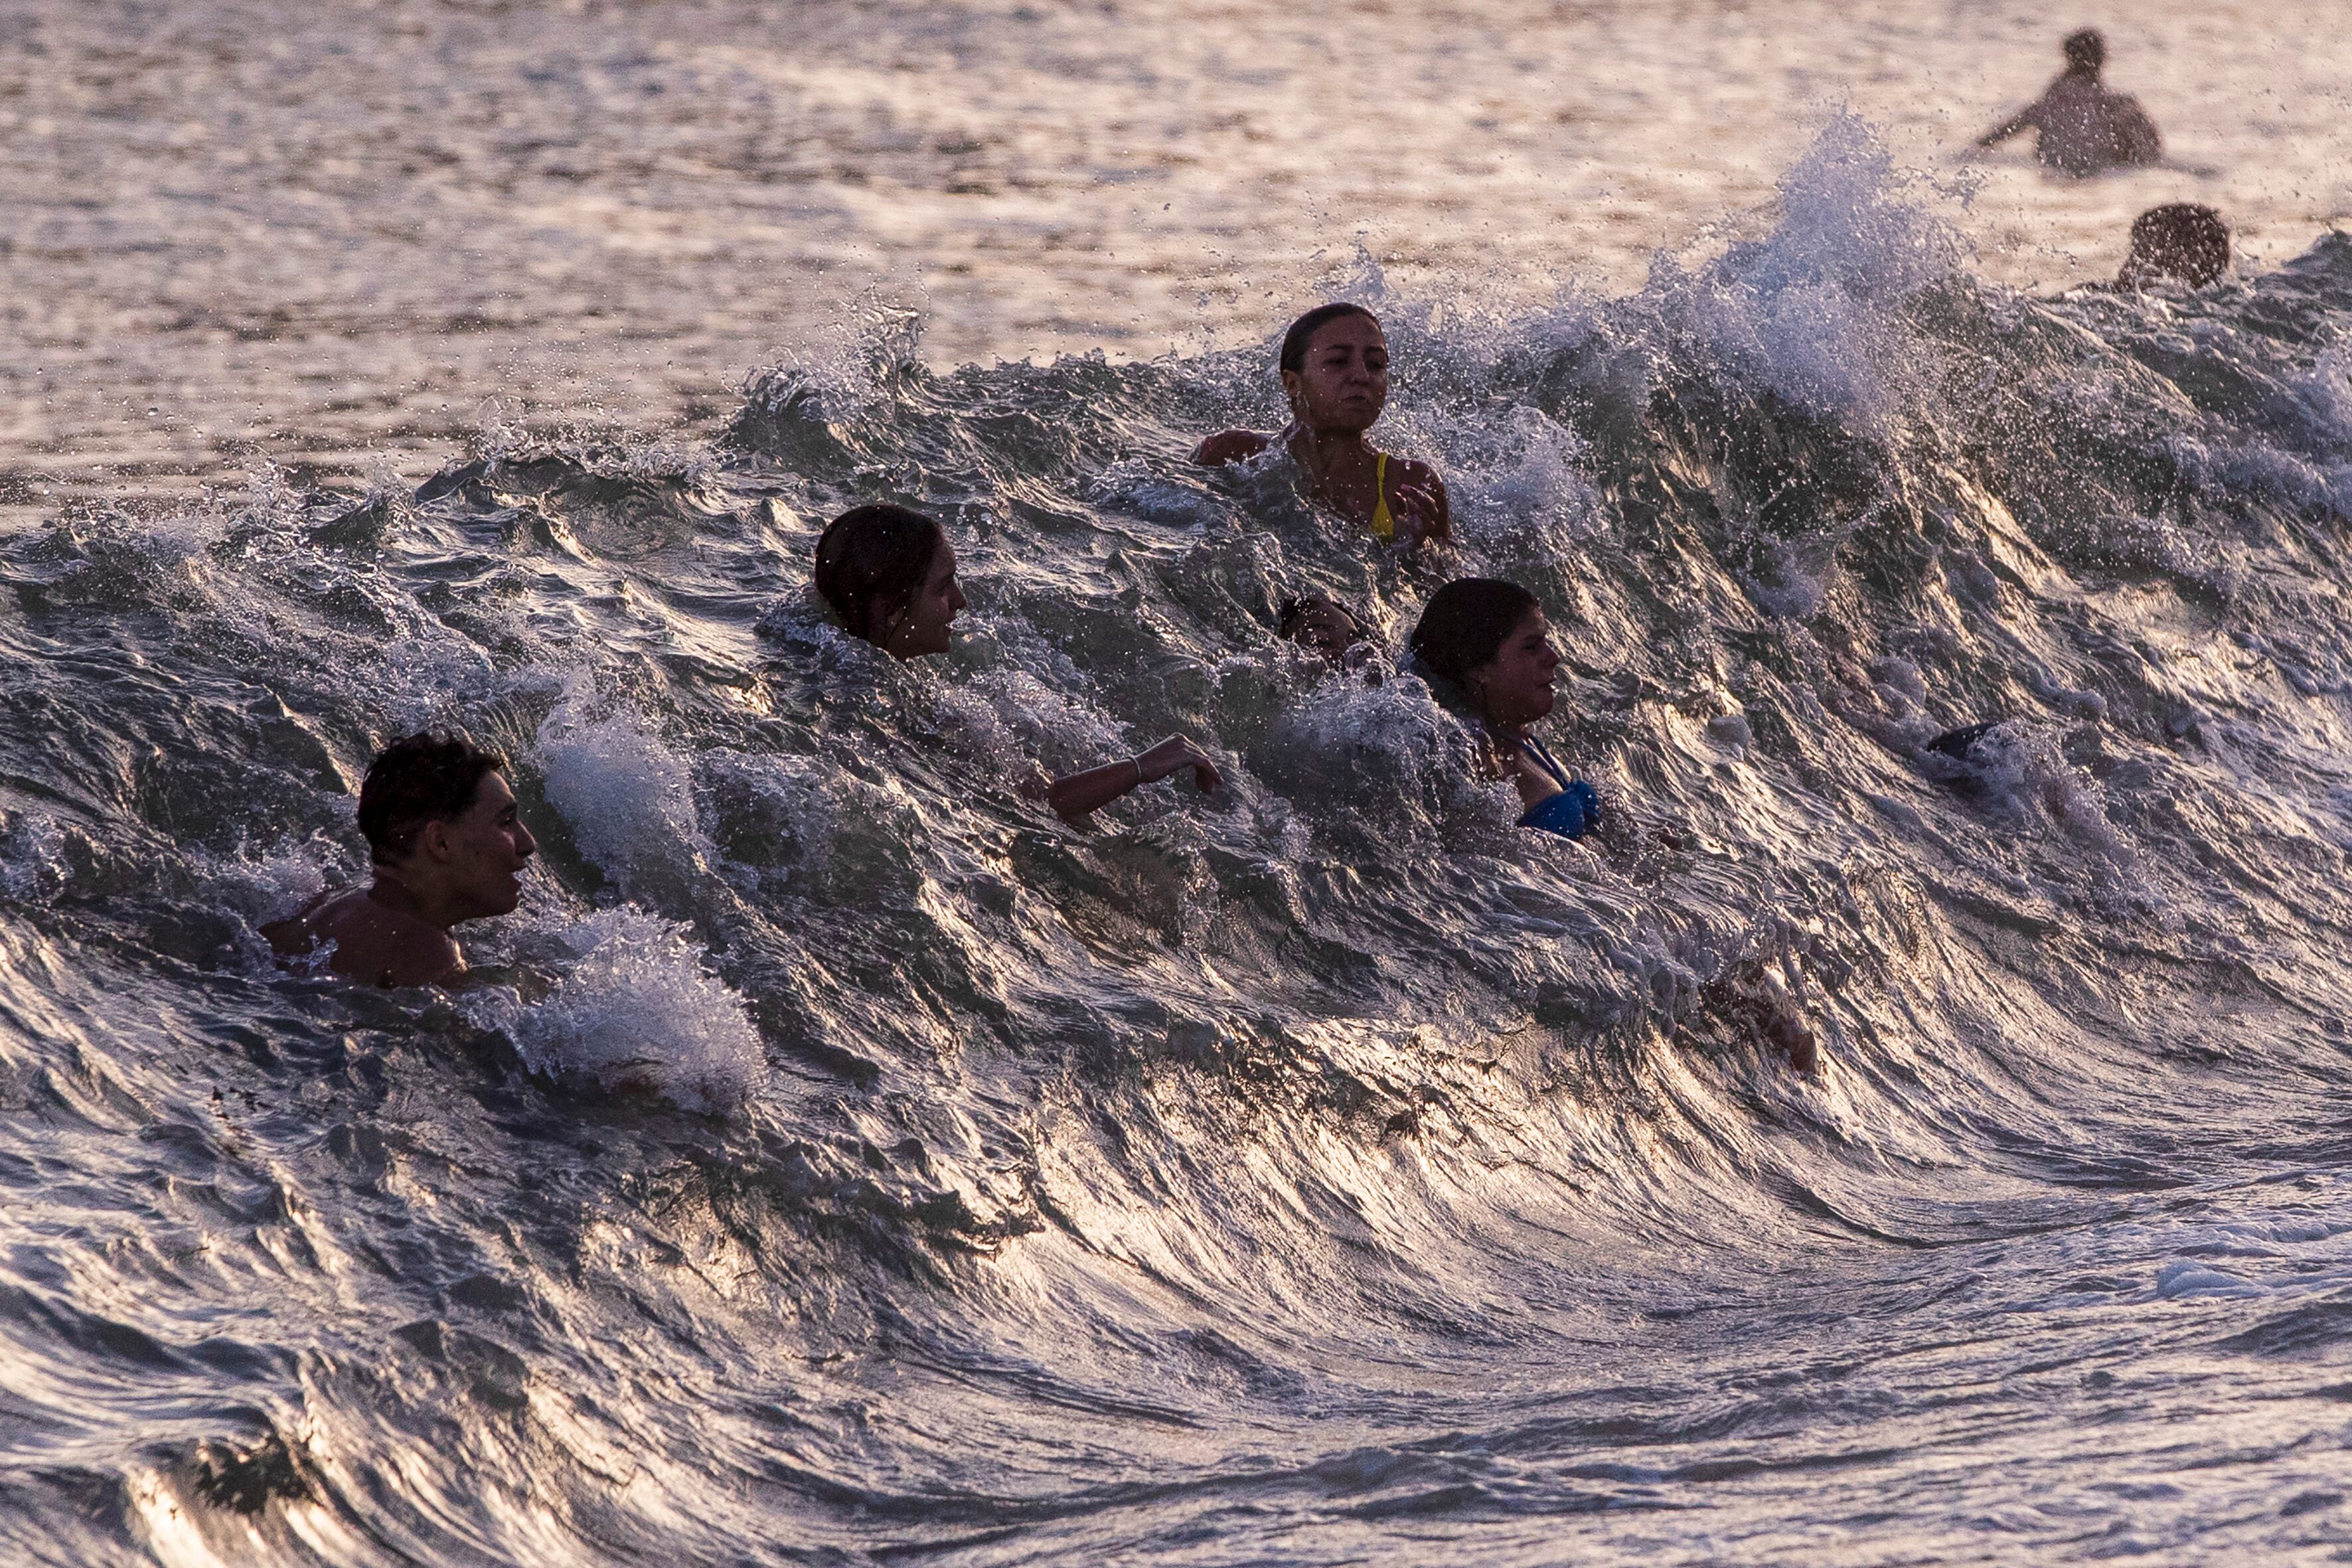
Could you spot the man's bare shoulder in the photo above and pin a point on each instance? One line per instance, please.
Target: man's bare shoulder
(367, 942)
(1231, 447)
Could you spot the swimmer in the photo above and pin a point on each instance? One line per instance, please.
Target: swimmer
(2084, 127)
(1489, 639)
(1335, 371)
(2185, 242)
(1326, 628)
(448, 847)
(890, 574)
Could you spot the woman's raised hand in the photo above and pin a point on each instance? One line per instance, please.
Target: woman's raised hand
(1421, 513)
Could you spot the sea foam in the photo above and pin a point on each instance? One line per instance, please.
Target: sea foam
(634, 1006)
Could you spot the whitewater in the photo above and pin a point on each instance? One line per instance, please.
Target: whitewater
(839, 1160)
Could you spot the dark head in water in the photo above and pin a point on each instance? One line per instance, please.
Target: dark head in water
(448, 845)
(1489, 639)
(2184, 241)
(421, 780)
(1323, 625)
(1958, 744)
(2085, 51)
(890, 574)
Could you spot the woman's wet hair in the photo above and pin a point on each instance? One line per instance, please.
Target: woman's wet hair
(874, 552)
(1466, 623)
(2180, 240)
(427, 777)
(1302, 331)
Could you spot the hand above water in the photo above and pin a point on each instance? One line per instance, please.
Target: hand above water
(1174, 753)
(1076, 795)
(1421, 513)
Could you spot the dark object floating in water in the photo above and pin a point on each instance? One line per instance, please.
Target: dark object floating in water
(2185, 242)
(1956, 743)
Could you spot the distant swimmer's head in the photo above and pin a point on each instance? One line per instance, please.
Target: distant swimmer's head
(436, 810)
(1335, 369)
(2182, 240)
(1490, 638)
(1324, 625)
(2086, 52)
(890, 574)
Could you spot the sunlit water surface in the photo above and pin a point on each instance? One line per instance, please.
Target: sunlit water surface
(348, 238)
(840, 1161)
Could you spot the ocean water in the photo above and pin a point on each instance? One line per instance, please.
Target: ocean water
(840, 1161)
(347, 239)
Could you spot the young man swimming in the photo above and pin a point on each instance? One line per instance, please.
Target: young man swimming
(448, 847)
(1335, 373)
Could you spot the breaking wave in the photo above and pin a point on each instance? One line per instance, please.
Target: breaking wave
(838, 1157)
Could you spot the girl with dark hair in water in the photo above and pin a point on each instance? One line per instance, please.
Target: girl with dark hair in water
(1335, 373)
(874, 564)
(890, 574)
(1488, 640)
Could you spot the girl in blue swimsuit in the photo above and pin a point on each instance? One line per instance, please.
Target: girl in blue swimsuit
(1489, 639)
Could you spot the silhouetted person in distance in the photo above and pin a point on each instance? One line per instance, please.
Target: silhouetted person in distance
(2182, 241)
(2085, 127)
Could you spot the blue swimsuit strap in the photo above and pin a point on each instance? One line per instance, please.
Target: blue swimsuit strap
(1543, 759)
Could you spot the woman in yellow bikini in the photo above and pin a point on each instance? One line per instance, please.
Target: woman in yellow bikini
(1335, 371)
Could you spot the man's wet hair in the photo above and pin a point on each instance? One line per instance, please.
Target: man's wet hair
(1302, 331)
(2086, 50)
(874, 551)
(2186, 241)
(1466, 623)
(431, 776)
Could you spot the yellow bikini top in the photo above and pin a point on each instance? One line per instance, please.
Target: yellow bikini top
(1383, 523)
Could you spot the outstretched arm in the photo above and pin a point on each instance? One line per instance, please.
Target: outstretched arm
(2024, 119)
(1076, 795)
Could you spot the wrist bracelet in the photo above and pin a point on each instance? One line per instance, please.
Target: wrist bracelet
(1137, 764)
